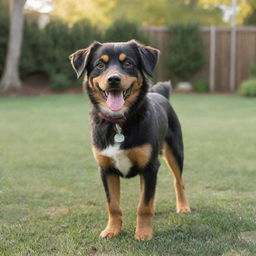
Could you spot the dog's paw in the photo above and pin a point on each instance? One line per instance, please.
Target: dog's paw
(145, 234)
(183, 209)
(110, 233)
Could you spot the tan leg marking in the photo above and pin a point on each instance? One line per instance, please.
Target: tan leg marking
(182, 205)
(144, 216)
(114, 225)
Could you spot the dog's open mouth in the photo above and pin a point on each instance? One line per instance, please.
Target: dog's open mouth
(115, 99)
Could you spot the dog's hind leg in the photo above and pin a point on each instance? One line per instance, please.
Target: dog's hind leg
(182, 205)
(112, 187)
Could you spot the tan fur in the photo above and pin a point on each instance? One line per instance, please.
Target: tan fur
(182, 205)
(144, 216)
(140, 155)
(122, 57)
(105, 58)
(114, 225)
(102, 80)
(103, 161)
(126, 82)
(134, 93)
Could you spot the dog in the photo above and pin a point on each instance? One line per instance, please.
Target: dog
(132, 124)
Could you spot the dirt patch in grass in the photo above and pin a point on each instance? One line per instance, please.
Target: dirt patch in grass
(249, 236)
(52, 211)
(61, 210)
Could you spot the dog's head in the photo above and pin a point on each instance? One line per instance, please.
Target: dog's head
(115, 73)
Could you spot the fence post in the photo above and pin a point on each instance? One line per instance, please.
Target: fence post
(212, 57)
(233, 49)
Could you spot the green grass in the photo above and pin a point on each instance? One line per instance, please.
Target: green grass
(52, 201)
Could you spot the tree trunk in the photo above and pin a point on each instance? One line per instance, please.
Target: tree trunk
(10, 78)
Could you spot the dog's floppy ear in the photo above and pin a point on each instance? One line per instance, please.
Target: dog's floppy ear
(79, 59)
(149, 57)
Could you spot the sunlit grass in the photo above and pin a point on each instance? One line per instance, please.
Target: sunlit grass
(52, 201)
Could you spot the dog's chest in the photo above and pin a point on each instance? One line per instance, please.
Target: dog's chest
(119, 157)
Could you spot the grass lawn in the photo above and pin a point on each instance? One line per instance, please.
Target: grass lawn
(52, 201)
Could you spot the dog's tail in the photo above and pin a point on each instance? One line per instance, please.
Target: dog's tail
(163, 88)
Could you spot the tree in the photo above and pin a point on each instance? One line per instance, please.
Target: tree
(245, 7)
(76, 10)
(143, 12)
(251, 20)
(10, 77)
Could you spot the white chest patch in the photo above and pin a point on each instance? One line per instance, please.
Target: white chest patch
(119, 157)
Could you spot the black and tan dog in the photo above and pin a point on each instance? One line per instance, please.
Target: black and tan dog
(131, 127)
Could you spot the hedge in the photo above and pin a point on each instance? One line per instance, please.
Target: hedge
(186, 51)
(46, 51)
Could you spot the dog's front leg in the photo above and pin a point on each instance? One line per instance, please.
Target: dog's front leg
(111, 184)
(145, 210)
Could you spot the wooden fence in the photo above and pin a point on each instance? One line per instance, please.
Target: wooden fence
(223, 76)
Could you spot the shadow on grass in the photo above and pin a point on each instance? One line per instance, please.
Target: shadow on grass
(210, 231)
(205, 231)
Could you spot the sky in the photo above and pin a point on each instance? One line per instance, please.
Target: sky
(43, 6)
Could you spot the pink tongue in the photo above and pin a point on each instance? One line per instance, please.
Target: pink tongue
(115, 101)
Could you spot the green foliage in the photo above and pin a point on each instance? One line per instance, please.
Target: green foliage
(123, 30)
(46, 51)
(56, 46)
(144, 12)
(60, 82)
(186, 51)
(248, 87)
(201, 86)
(4, 33)
(253, 71)
(251, 19)
(31, 60)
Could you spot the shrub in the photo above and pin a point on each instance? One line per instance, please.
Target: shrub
(32, 59)
(60, 82)
(123, 30)
(248, 87)
(253, 71)
(186, 51)
(55, 48)
(46, 51)
(4, 33)
(201, 86)
(59, 41)
(82, 33)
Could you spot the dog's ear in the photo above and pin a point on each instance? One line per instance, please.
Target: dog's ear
(79, 59)
(149, 57)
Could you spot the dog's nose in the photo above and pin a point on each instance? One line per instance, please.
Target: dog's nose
(114, 79)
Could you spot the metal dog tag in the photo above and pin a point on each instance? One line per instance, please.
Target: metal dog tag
(119, 137)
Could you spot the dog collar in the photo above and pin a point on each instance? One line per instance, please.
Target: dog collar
(114, 120)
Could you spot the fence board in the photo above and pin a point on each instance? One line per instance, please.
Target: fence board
(245, 54)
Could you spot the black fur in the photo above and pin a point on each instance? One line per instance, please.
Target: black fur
(149, 120)
(162, 88)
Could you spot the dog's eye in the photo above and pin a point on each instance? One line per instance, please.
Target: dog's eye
(100, 65)
(127, 64)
